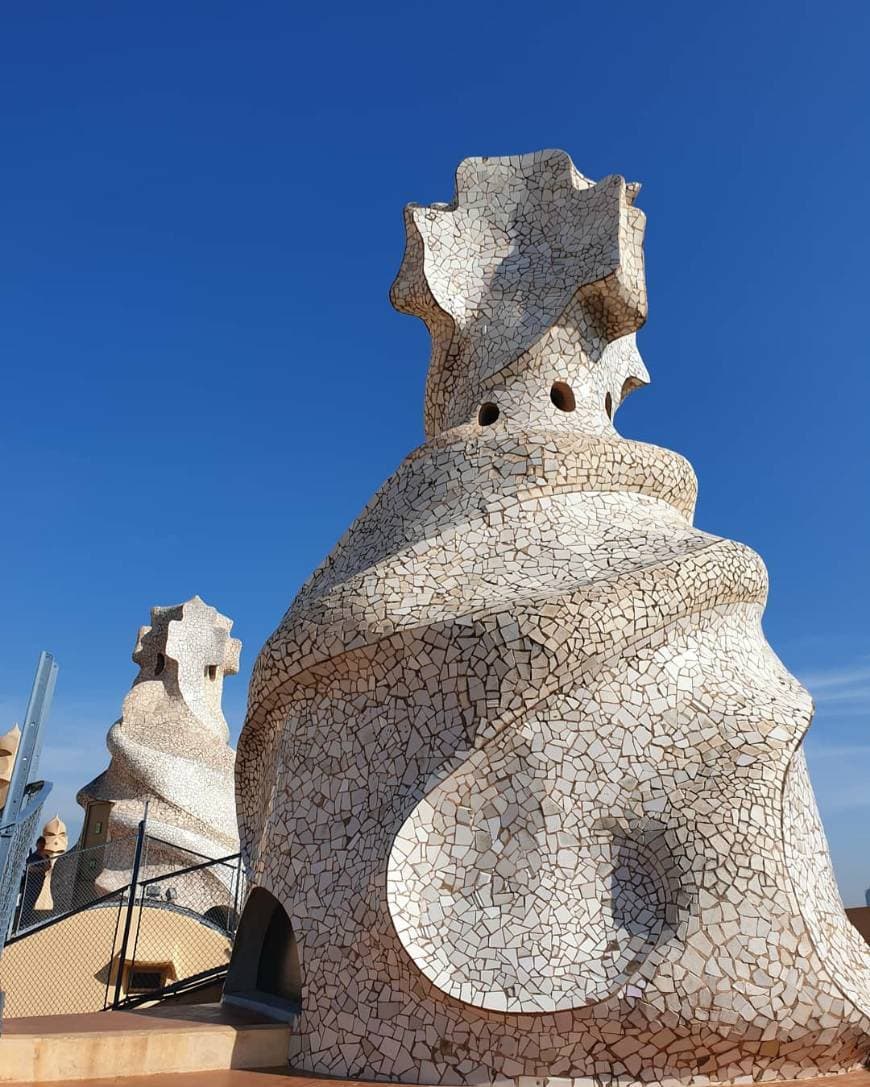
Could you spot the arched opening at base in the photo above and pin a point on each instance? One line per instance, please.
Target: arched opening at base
(264, 971)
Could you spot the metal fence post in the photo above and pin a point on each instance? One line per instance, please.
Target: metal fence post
(234, 921)
(24, 797)
(128, 920)
(23, 773)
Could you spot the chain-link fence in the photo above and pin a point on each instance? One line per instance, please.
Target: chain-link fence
(192, 911)
(64, 966)
(19, 835)
(206, 887)
(51, 888)
(90, 950)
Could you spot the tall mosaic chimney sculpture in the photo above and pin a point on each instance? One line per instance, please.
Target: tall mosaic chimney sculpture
(170, 748)
(518, 762)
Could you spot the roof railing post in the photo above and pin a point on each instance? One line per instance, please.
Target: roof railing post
(128, 920)
(25, 795)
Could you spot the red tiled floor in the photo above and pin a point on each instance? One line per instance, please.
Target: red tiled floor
(277, 1078)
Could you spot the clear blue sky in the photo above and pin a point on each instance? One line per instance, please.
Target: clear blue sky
(203, 380)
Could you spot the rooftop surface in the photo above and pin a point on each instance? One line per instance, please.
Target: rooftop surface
(278, 1078)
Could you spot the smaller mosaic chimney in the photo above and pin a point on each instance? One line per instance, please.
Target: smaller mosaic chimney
(170, 749)
(56, 844)
(8, 749)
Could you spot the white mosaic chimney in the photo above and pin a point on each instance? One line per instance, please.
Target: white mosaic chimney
(170, 746)
(518, 764)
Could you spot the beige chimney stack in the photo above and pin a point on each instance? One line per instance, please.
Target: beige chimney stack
(56, 844)
(8, 749)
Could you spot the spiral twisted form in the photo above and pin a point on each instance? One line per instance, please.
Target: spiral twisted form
(519, 763)
(170, 749)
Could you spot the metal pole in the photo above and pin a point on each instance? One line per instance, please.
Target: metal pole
(27, 758)
(128, 920)
(112, 955)
(234, 919)
(25, 796)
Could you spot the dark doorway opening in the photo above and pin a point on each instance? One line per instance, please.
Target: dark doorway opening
(264, 971)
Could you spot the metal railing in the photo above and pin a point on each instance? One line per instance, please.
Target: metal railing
(168, 933)
(164, 907)
(55, 888)
(18, 835)
(24, 796)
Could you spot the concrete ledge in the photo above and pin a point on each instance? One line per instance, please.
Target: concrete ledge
(107, 1045)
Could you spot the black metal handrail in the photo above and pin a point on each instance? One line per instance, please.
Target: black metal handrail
(175, 846)
(190, 868)
(41, 926)
(185, 985)
(122, 891)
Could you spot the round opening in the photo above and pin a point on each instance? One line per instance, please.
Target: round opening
(563, 396)
(487, 415)
(608, 405)
(160, 664)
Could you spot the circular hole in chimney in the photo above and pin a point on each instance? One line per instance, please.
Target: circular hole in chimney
(488, 414)
(160, 664)
(562, 396)
(608, 405)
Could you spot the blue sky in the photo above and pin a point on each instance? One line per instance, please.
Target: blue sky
(200, 217)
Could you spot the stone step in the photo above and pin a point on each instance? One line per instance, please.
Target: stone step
(237, 1077)
(203, 1039)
